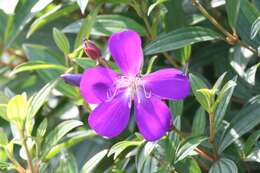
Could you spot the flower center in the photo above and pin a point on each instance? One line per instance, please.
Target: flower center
(131, 86)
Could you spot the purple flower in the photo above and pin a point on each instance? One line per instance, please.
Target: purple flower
(114, 92)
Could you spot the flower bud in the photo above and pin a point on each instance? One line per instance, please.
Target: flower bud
(91, 49)
(72, 79)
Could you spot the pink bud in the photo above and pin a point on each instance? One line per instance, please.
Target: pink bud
(91, 49)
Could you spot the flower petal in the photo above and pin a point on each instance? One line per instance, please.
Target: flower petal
(109, 119)
(168, 83)
(95, 83)
(153, 117)
(126, 49)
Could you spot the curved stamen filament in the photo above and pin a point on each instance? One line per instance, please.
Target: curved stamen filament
(146, 94)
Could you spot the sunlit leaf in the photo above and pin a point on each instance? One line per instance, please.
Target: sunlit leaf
(244, 121)
(180, 38)
(17, 109)
(61, 41)
(36, 65)
(57, 133)
(186, 147)
(223, 165)
(93, 162)
(119, 147)
(82, 5)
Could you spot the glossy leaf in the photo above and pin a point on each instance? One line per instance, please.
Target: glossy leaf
(17, 109)
(94, 161)
(105, 25)
(86, 27)
(61, 41)
(226, 95)
(186, 148)
(82, 5)
(36, 65)
(38, 99)
(75, 138)
(56, 134)
(180, 38)
(53, 14)
(199, 122)
(244, 121)
(119, 147)
(232, 11)
(223, 165)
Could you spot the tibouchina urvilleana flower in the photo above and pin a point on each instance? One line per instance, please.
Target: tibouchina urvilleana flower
(115, 93)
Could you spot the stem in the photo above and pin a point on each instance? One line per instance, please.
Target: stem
(231, 39)
(204, 154)
(18, 167)
(212, 128)
(29, 158)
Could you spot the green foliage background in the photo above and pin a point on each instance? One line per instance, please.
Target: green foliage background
(43, 120)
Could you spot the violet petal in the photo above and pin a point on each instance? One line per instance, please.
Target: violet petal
(167, 83)
(109, 119)
(125, 48)
(95, 84)
(153, 117)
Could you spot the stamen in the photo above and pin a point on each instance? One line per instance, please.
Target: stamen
(146, 94)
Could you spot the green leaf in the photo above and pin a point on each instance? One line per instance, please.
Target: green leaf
(85, 63)
(36, 65)
(251, 141)
(176, 108)
(8, 6)
(226, 95)
(40, 5)
(188, 165)
(51, 15)
(206, 97)
(106, 25)
(226, 88)
(74, 138)
(185, 54)
(254, 156)
(67, 163)
(94, 161)
(38, 99)
(239, 58)
(86, 27)
(17, 109)
(186, 147)
(218, 83)
(3, 113)
(244, 121)
(232, 12)
(61, 41)
(151, 7)
(223, 165)
(255, 28)
(179, 38)
(119, 147)
(82, 5)
(41, 53)
(56, 134)
(3, 138)
(143, 157)
(248, 14)
(199, 122)
(41, 130)
(198, 84)
(250, 74)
